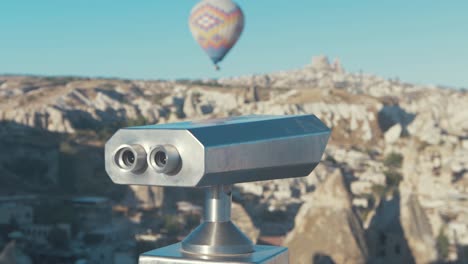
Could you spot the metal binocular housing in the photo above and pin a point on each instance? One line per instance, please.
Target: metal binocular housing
(215, 154)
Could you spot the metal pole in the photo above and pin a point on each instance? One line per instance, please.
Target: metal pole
(217, 235)
(217, 240)
(218, 203)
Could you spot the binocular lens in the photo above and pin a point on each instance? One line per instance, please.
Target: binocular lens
(131, 158)
(165, 159)
(160, 158)
(128, 157)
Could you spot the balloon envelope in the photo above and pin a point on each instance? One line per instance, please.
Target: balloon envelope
(216, 25)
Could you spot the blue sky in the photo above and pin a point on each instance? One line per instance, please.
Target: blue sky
(417, 41)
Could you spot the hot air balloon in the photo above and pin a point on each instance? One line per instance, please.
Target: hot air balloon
(216, 25)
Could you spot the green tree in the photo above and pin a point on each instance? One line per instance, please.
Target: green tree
(393, 160)
(442, 244)
(171, 225)
(392, 178)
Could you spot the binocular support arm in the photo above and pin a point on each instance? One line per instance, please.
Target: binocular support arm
(217, 235)
(218, 203)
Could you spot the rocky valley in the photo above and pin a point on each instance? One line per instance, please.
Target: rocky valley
(392, 186)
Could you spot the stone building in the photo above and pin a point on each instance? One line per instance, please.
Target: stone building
(39, 234)
(19, 213)
(385, 236)
(92, 212)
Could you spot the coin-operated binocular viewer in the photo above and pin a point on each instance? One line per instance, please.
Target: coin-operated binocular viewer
(214, 154)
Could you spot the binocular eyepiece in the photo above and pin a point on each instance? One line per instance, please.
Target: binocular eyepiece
(130, 158)
(133, 158)
(219, 151)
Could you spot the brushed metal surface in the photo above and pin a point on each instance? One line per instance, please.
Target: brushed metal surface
(226, 151)
(173, 255)
(218, 200)
(215, 238)
(191, 152)
(217, 234)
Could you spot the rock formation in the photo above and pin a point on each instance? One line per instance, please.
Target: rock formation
(144, 197)
(52, 124)
(243, 221)
(12, 255)
(7, 256)
(326, 225)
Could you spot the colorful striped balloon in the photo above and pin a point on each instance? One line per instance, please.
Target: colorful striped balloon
(216, 25)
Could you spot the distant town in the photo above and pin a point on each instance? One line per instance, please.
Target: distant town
(88, 229)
